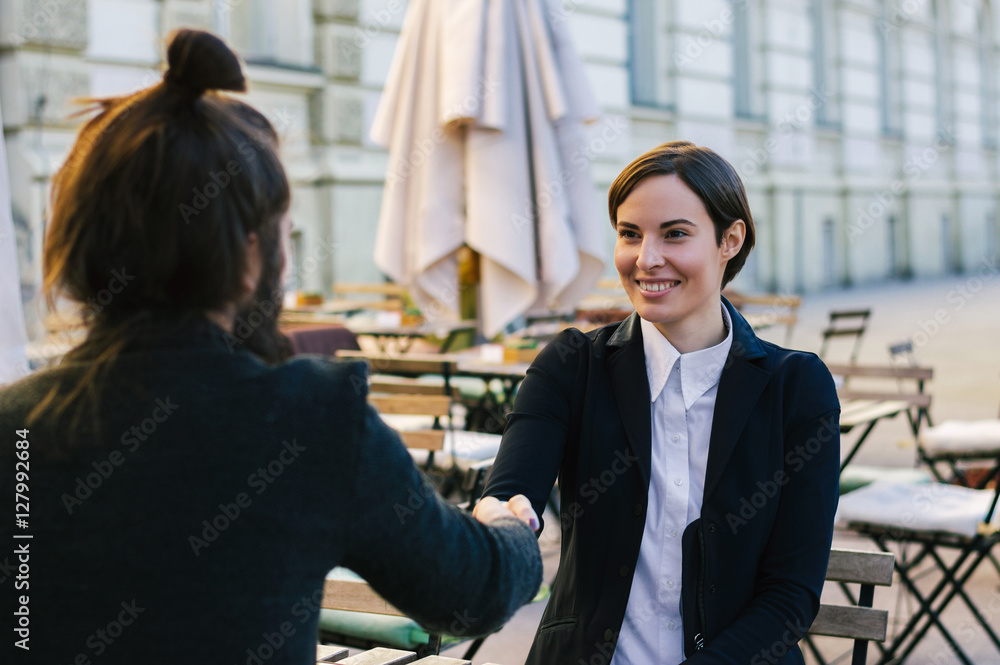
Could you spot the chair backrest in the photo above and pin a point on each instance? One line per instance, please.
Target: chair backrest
(860, 622)
(881, 383)
(436, 406)
(850, 323)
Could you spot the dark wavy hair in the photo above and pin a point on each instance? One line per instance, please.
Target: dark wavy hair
(708, 175)
(157, 199)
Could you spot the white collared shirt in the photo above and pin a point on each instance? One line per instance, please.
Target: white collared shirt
(682, 389)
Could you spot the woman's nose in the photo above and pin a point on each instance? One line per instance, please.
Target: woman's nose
(649, 256)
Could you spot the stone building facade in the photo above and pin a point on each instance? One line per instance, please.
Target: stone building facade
(866, 130)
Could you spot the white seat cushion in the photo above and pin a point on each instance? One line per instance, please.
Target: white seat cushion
(962, 436)
(933, 507)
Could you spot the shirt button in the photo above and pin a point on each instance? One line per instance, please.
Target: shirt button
(673, 533)
(670, 584)
(607, 635)
(677, 390)
(670, 625)
(711, 528)
(677, 437)
(623, 571)
(637, 510)
(711, 589)
(678, 482)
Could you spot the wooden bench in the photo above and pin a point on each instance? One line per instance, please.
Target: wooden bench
(858, 621)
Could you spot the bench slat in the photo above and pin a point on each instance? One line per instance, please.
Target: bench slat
(922, 400)
(856, 416)
(416, 405)
(862, 623)
(883, 371)
(441, 660)
(860, 567)
(425, 439)
(330, 654)
(355, 596)
(381, 656)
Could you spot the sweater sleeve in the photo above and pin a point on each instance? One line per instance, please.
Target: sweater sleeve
(434, 562)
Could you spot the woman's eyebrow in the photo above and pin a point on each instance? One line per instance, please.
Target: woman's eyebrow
(663, 225)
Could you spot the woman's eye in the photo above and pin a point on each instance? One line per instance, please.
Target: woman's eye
(676, 233)
(625, 233)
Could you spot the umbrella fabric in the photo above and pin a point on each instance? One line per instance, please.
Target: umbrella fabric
(13, 338)
(483, 114)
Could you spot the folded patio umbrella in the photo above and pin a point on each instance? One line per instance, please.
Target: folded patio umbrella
(483, 115)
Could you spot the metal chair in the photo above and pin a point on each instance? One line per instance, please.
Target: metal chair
(848, 324)
(933, 518)
(857, 621)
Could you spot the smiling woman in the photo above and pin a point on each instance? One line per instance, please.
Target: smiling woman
(659, 567)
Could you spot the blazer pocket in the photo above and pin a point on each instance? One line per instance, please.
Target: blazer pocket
(559, 623)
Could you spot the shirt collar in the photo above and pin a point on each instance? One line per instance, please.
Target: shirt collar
(700, 370)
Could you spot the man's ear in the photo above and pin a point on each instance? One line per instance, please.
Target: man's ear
(732, 239)
(254, 264)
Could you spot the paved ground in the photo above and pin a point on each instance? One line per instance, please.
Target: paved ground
(955, 323)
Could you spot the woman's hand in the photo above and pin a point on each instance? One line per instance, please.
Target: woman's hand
(491, 508)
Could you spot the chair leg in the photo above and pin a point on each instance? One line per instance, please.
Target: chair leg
(927, 613)
(473, 648)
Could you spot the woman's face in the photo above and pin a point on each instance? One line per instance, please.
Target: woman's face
(668, 259)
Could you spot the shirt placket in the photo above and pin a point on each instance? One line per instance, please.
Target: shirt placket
(676, 495)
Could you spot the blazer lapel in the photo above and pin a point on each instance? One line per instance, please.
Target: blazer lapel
(740, 387)
(627, 371)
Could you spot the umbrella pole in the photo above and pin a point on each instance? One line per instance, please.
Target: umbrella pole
(468, 289)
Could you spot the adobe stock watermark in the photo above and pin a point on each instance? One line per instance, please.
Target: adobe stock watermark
(374, 24)
(119, 280)
(45, 16)
(795, 460)
(712, 31)
(958, 297)
(217, 181)
(898, 14)
(913, 168)
(427, 145)
(789, 123)
(581, 159)
(261, 479)
(102, 638)
(131, 439)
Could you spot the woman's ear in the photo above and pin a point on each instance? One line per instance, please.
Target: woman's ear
(254, 264)
(732, 239)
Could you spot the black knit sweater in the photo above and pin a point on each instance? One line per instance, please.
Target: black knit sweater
(196, 521)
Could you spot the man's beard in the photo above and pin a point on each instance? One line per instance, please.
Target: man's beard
(256, 324)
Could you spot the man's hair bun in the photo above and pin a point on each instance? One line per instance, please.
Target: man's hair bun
(199, 61)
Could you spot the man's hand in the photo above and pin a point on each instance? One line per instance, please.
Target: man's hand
(491, 508)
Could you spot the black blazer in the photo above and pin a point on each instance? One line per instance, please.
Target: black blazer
(753, 564)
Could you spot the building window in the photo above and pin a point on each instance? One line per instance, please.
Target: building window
(890, 74)
(829, 252)
(825, 52)
(649, 41)
(268, 32)
(942, 71)
(987, 78)
(748, 65)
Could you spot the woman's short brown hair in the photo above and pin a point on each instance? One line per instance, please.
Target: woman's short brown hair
(708, 175)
